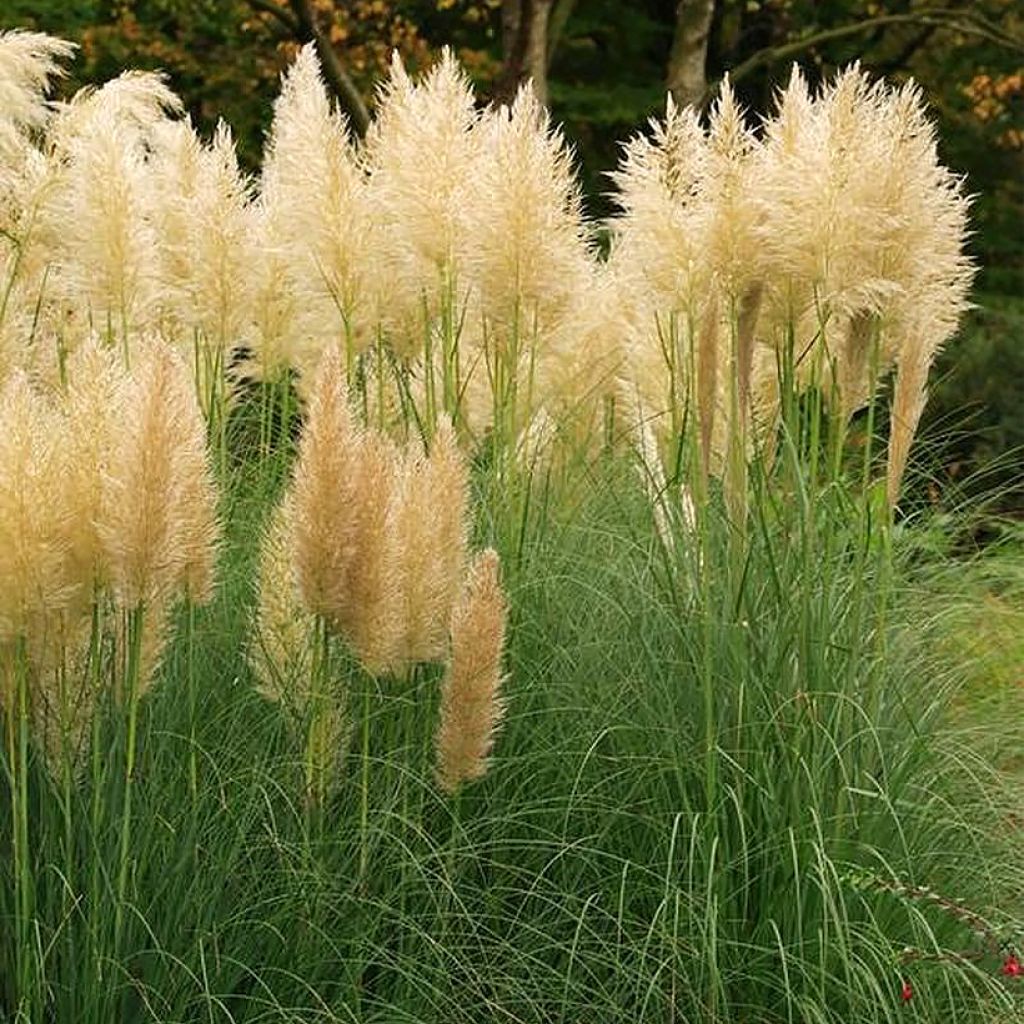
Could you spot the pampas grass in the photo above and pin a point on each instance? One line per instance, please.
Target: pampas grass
(707, 701)
(471, 705)
(447, 257)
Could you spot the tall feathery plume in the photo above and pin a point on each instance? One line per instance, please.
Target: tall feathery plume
(284, 634)
(528, 253)
(929, 254)
(431, 526)
(173, 166)
(733, 236)
(471, 703)
(374, 625)
(317, 188)
(93, 405)
(29, 61)
(830, 222)
(421, 154)
(34, 587)
(65, 660)
(658, 261)
(325, 498)
(143, 526)
(530, 247)
(197, 203)
(734, 253)
(106, 260)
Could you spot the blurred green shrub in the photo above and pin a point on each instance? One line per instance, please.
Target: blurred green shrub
(974, 422)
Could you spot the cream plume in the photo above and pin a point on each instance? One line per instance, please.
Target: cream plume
(431, 525)
(421, 154)
(198, 202)
(33, 542)
(155, 541)
(313, 179)
(325, 498)
(373, 625)
(471, 704)
(28, 63)
(282, 648)
(106, 257)
(528, 251)
(93, 406)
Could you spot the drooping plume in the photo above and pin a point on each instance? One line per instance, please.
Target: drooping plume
(28, 63)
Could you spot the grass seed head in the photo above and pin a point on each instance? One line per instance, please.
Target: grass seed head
(471, 704)
(33, 517)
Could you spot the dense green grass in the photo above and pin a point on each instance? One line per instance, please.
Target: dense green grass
(723, 787)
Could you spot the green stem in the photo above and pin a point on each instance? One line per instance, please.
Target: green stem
(190, 660)
(133, 639)
(95, 677)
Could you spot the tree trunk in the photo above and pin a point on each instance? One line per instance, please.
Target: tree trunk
(537, 48)
(524, 34)
(687, 62)
(349, 96)
(511, 18)
(560, 14)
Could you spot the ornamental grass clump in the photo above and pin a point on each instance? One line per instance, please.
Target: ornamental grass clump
(752, 272)
(761, 274)
(362, 567)
(107, 519)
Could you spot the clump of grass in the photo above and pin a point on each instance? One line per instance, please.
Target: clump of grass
(367, 551)
(110, 511)
(730, 786)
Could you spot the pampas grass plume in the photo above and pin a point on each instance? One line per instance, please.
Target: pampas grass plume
(145, 523)
(33, 543)
(325, 496)
(374, 623)
(282, 647)
(471, 704)
(28, 62)
(431, 525)
(315, 184)
(106, 258)
(92, 406)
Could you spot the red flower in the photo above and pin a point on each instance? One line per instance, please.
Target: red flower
(906, 992)
(1013, 968)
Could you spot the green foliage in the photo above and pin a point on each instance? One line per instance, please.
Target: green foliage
(713, 800)
(973, 427)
